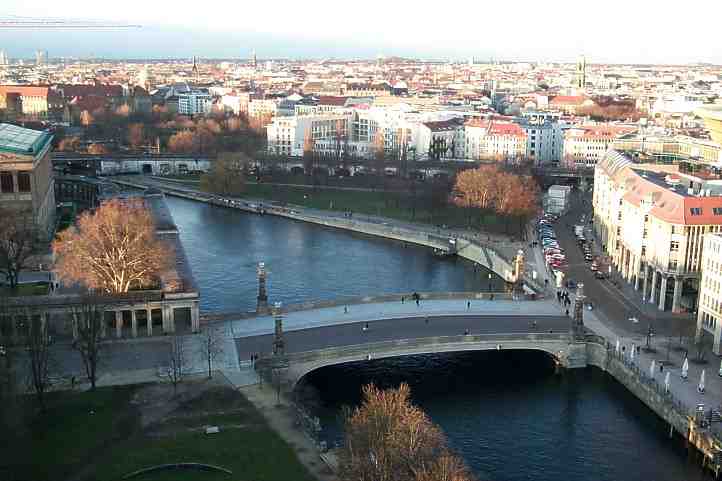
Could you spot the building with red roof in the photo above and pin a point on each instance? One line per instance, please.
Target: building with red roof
(652, 219)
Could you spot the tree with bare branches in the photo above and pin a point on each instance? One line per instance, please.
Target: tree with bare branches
(476, 188)
(226, 176)
(98, 149)
(113, 249)
(88, 318)
(69, 144)
(210, 345)
(177, 366)
(136, 135)
(183, 141)
(17, 240)
(390, 439)
(37, 345)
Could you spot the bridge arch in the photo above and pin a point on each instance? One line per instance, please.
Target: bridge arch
(298, 365)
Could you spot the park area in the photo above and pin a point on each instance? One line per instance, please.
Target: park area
(114, 431)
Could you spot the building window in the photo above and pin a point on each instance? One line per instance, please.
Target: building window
(23, 182)
(717, 210)
(695, 211)
(6, 182)
(674, 246)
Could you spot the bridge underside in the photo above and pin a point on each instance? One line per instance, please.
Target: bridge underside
(558, 346)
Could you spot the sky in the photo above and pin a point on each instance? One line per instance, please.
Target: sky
(608, 31)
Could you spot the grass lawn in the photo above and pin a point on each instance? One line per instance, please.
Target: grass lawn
(244, 445)
(395, 205)
(69, 441)
(66, 436)
(28, 289)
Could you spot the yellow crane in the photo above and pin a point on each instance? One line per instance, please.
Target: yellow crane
(33, 23)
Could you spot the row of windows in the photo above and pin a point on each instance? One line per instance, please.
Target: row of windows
(698, 210)
(7, 186)
(709, 320)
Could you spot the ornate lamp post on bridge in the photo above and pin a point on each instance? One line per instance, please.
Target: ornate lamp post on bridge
(262, 299)
(577, 328)
(279, 360)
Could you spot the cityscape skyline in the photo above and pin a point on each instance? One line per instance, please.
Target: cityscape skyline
(549, 33)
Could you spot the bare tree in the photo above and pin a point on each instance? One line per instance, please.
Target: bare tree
(210, 346)
(389, 439)
(136, 135)
(37, 343)
(88, 318)
(226, 176)
(177, 366)
(10, 392)
(17, 235)
(113, 249)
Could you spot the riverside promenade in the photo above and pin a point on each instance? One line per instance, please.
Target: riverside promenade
(492, 252)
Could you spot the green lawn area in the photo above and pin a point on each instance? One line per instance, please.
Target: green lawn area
(110, 442)
(395, 205)
(67, 435)
(28, 289)
(244, 445)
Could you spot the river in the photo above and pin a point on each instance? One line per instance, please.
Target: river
(507, 414)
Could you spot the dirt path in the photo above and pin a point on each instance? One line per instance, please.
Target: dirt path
(281, 419)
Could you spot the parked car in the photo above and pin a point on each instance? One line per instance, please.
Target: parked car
(594, 267)
(599, 275)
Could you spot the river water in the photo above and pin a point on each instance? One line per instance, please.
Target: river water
(507, 414)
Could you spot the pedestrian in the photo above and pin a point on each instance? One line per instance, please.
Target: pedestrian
(533, 324)
(638, 348)
(417, 302)
(402, 299)
(366, 327)
(427, 320)
(72, 382)
(491, 297)
(466, 332)
(567, 312)
(661, 367)
(345, 309)
(468, 305)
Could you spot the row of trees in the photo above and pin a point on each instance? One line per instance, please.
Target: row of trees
(490, 189)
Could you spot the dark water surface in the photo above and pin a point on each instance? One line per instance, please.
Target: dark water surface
(508, 415)
(305, 262)
(511, 418)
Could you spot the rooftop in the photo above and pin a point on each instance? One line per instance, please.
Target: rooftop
(19, 140)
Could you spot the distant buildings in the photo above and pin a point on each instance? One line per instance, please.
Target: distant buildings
(4, 60)
(26, 176)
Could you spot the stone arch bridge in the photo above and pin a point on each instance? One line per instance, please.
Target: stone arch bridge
(568, 351)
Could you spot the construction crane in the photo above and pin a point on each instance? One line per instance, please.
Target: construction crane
(32, 23)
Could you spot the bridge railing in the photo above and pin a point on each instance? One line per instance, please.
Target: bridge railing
(423, 342)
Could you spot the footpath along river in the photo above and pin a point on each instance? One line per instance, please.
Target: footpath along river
(507, 414)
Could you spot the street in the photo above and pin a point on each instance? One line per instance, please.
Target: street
(617, 304)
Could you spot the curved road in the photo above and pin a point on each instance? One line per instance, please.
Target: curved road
(404, 328)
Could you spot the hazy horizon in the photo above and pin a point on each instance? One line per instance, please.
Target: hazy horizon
(558, 31)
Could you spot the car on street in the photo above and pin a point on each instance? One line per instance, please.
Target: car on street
(599, 275)
(594, 267)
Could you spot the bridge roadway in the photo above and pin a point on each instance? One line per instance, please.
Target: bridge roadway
(339, 335)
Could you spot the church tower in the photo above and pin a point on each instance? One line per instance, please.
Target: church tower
(581, 78)
(194, 70)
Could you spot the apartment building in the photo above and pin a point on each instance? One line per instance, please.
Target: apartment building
(290, 135)
(28, 100)
(651, 220)
(544, 136)
(709, 313)
(585, 145)
(26, 176)
(195, 102)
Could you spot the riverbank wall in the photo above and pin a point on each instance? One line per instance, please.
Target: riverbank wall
(466, 248)
(683, 419)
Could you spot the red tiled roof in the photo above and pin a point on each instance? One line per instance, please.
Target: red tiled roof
(506, 128)
(568, 100)
(330, 100)
(25, 90)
